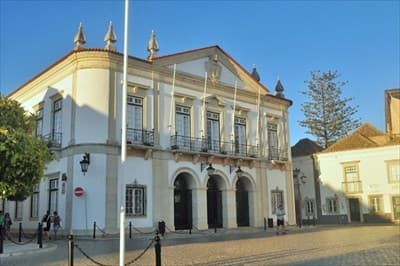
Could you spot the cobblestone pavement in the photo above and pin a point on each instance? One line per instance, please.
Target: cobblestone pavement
(319, 245)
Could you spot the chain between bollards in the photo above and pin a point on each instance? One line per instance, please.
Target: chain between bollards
(70, 250)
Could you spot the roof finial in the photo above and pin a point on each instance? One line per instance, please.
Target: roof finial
(254, 73)
(80, 38)
(279, 88)
(152, 46)
(110, 38)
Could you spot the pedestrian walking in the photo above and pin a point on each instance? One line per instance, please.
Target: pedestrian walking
(280, 221)
(7, 222)
(46, 221)
(56, 223)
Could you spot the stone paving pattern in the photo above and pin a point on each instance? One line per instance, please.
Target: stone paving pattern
(319, 245)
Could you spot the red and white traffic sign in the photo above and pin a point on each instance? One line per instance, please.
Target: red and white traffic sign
(79, 191)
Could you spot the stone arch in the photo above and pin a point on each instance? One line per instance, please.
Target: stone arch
(252, 183)
(223, 180)
(187, 170)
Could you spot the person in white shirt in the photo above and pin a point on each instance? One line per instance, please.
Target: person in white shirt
(280, 221)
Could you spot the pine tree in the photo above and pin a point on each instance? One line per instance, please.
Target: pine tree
(328, 116)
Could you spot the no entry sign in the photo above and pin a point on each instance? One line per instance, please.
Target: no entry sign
(78, 191)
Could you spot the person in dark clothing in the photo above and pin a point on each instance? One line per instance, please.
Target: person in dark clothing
(46, 221)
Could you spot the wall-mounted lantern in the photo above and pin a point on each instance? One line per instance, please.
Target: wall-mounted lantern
(239, 172)
(85, 162)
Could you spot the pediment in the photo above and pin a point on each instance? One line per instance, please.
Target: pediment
(212, 61)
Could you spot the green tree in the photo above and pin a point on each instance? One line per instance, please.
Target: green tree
(23, 156)
(328, 116)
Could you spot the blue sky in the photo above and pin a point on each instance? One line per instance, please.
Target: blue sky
(359, 39)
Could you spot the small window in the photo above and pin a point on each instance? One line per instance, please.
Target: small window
(39, 122)
(276, 199)
(393, 169)
(135, 200)
(35, 202)
(309, 205)
(376, 204)
(332, 205)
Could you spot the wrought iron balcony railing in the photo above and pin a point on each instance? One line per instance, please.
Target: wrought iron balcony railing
(140, 136)
(54, 139)
(352, 187)
(189, 144)
(278, 154)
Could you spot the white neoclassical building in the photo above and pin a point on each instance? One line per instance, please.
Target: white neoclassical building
(357, 179)
(186, 113)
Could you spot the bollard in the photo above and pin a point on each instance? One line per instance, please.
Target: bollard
(70, 250)
(190, 229)
(215, 227)
(20, 232)
(1, 239)
(94, 230)
(314, 221)
(37, 242)
(308, 220)
(157, 248)
(40, 236)
(130, 229)
(265, 224)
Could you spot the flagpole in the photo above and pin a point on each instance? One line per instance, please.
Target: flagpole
(123, 138)
(233, 114)
(258, 118)
(172, 103)
(204, 106)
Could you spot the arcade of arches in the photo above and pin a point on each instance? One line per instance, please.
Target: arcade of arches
(217, 204)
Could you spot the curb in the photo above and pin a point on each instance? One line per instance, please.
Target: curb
(31, 250)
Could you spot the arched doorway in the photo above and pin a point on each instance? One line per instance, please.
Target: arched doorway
(242, 202)
(214, 203)
(182, 203)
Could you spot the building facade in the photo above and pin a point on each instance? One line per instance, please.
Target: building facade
(207, 143)
(357, 179)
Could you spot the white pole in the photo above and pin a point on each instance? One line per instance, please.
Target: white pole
(204, 106)
(123, 140)
(233, 114)
(124, 85)
(122, 237)
(172, 103)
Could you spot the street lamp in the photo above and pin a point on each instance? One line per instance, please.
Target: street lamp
(239, 172)
(85, 162)
(210, 170)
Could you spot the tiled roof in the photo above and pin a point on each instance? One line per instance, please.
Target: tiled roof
(305, 147)
(366, 136)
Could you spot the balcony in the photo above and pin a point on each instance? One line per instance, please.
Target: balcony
(140, 137)
(280, 155)
(189, 144)
(53, 139)
(352, 187)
